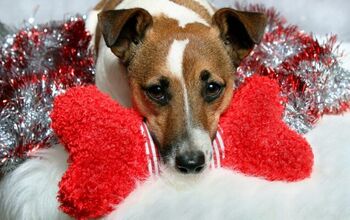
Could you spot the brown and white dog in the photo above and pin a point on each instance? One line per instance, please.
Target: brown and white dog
(174, 60)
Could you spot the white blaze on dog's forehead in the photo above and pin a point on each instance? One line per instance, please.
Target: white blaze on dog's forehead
(165, 7)
(187, 107)
(175, 66)
(175, 57)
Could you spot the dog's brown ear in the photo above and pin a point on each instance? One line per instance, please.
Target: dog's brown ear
(239, 30)
(124, 30)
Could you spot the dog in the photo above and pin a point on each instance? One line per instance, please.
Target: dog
(175, 62)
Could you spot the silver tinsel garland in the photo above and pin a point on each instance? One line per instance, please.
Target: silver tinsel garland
(37, 64)
(312, 79)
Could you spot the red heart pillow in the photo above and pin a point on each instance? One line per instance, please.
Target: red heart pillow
(257, 141)
(108, 152)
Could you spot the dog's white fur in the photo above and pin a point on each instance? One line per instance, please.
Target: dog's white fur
(111, 76)
(175, 58)
(175, 65)
(172, 10)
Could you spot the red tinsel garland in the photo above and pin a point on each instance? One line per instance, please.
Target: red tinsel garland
(37, 64)
(311, 78)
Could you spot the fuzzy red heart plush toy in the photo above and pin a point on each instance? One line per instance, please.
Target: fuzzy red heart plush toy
(110, 149)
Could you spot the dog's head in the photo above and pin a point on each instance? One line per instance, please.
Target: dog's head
(181, 77)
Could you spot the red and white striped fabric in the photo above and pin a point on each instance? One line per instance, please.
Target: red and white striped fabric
(153, 159)
(151, 152)
(218, 149)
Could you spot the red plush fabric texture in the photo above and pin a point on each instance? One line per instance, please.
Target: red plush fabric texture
(106, 151)
(257, 141)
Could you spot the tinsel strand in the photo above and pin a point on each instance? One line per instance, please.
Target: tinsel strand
(37, 64)
(311, 77)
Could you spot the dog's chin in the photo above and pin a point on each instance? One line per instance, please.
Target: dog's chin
(181, 181)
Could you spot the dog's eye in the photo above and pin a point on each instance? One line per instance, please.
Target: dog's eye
(157, 93)
(212, 91)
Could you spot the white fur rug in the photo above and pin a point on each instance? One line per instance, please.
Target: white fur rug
(224, 194)
(218, 194)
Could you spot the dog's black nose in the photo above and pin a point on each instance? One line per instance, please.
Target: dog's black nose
(190, 162)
